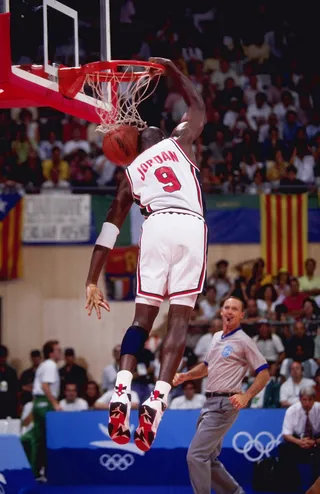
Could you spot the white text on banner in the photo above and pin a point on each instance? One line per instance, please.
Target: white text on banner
(60, 218)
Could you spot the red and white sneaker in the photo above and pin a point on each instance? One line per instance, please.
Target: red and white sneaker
(150, 415)
(119, 415)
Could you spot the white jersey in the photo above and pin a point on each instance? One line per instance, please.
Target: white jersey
(163, 177)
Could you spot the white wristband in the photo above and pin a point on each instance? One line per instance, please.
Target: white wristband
(108, 235)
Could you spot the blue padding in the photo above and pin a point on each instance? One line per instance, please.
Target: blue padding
(133, 341)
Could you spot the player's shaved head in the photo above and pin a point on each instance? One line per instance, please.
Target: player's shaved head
(149, 137)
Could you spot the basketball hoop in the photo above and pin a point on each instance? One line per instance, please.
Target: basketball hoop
(118, 88)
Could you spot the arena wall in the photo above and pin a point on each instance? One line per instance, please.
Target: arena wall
(49, 303)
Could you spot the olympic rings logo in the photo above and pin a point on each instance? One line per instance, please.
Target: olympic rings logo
(263, 448)
(116, 462)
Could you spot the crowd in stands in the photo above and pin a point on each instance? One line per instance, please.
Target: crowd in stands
(258, 80)
(282, 315)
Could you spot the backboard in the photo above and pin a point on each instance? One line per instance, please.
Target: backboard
(43, 35)
(69, 32)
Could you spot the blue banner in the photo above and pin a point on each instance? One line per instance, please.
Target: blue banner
(16, 476)
(81, 451)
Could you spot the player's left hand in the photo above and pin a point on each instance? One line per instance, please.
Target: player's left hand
(95, 300)
(239, 401)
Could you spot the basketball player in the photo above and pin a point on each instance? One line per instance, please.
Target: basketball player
(163, 179)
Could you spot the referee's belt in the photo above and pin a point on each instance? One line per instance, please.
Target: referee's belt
(213, 395)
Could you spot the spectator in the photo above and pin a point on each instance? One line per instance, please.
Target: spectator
(104, 169)
(259, 277)
(276, 169)
(76, 144)
(28, 173)
(239, 126)
(283, 323)
(220, 279)
(300, 348)
(301, 433)
(259, 185)
(231, 116)
(290, 127)
(46, 147)
(264, 130)
(272, 144)
(46, 389)
(290, 184)
(304, 162)
(71, 402)
(289, 390)
(251, 317)
(203, 344)
(55, 161)
(286, 104)
(314, 126)
(110, 372)
(230, 93)
(209, 305)
(21, 146)
(31, 126)
(143, 376)
(102, 403)
(92, 393)
(282, 285)
(267, 299)
(251, 90)
(309, 283)
(269, 344)
(27, 377)
(54, 184)
(218, 147)
(190, 400)
(8, 387)
(258, 112)
(311, 317)
(294, 301)
(73, 373)
(269, 397)
(219, 77)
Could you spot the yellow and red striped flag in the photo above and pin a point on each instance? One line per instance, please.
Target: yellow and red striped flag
(11, 210)
(284, 232)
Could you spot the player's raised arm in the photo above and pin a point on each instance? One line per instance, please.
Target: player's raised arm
(194, 118)
(105, 242)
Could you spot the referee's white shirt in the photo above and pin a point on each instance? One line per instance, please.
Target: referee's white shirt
(295, 419)
(229, 358)
(47, 372)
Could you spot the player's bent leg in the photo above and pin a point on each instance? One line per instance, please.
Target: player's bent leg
(152, 410)
(132, 344)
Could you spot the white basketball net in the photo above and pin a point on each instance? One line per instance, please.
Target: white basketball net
(117, 101)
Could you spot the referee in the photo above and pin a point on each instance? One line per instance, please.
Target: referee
(229, 357)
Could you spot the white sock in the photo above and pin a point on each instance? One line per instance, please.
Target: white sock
(163, 388)
(124, 377)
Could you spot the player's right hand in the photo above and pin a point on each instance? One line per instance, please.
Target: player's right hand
(95, 299)
(179, 378)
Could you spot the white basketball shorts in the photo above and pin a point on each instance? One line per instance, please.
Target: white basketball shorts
(173, 257)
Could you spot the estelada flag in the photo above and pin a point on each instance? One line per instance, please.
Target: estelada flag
(284, 232)
(11, 219)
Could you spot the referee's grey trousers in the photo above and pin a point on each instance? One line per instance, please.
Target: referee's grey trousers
(205, 470)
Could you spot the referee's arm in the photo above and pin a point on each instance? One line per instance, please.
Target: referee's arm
(197, 372)
(261, 380)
